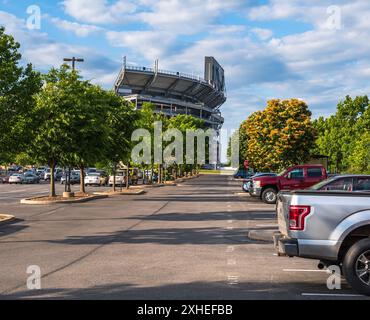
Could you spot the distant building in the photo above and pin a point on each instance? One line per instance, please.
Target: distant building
(175, 93)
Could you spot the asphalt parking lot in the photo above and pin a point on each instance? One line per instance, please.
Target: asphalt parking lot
(176, 242)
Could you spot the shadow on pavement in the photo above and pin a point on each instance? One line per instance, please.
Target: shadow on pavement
(209, 216)
(11, 227)
(190, 291)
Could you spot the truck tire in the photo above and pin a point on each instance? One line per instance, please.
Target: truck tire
(356, 266)
(269, 196)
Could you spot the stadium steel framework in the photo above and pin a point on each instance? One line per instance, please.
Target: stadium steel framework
(176, 93)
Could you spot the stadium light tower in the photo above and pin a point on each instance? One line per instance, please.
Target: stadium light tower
(73, 60)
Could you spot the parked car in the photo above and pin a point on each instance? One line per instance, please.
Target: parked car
(243, 173)
(330, 226)
(40, 171)
(15, 169)
(247, 183)
(16, 178)
(75, 177)
(5, 178)
(356, 183)
(294, 178)
(57, 174)
(98, 178)
(120, 178)
(30, 177)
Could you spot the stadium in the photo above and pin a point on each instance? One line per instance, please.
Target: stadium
(175, 93)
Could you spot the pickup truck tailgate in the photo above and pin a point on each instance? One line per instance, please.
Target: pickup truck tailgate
(282, 210)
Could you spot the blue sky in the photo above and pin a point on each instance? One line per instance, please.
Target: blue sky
(317, 50)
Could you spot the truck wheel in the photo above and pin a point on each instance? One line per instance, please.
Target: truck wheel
(356, 266)
(269, 196)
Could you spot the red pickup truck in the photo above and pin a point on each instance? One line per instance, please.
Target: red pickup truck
(294, 178)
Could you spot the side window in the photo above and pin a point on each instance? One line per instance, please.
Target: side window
(362, 184)
(296, 174)
(314, 173)
(344, 184)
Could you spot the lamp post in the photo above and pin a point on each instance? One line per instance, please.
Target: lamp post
(68, 177)
(73, 60)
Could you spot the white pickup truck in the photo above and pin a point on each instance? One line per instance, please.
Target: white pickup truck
(331, 226)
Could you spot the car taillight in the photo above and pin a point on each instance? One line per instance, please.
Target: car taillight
(297, 216)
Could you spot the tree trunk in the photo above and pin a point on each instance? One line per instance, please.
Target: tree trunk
(151, 176)
(114, 176)
(82, 180)
(128, 176)
(52, 179)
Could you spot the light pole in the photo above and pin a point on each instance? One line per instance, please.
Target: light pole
(73, 60)
(68, 177)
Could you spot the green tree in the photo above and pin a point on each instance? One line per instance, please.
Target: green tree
(69, 126)
(279, 136)
(17, 87)
(339, 134)
(121, 122)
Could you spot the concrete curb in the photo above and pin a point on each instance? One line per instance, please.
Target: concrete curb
(123, 193)
(34, 201)
(6, 218)
(262, 235)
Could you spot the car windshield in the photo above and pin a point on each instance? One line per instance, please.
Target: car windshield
(321, 184)
(94, 174)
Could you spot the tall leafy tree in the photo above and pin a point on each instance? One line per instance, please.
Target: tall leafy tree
(343, 135)
(17, 86)
(121, 122)
(279, 136)
(69, 123)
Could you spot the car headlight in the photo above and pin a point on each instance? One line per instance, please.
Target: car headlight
(257, 184)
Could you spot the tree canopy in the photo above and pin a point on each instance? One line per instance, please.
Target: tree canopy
(17, 86)
(344, 136)
(278, 136)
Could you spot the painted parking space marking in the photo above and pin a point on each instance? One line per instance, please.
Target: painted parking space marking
(267, 225)
(303, 270)
(332, 294)
(233, 279)
(230, 249)
(231, 262)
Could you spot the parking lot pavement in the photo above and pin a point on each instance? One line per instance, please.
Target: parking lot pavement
(184, 242)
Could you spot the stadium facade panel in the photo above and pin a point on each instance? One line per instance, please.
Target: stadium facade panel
(175, 93)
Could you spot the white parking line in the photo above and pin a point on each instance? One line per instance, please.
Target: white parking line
(230, 249)
(232, 279)
(231, 262)
(267, 225)
(303, 270)
(332, 294)
(230, 221)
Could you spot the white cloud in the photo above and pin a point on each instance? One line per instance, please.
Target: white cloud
(99, 11)
(150, 44)
(184, 17)
(262, 33)
(44, 53)
(80, 30)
